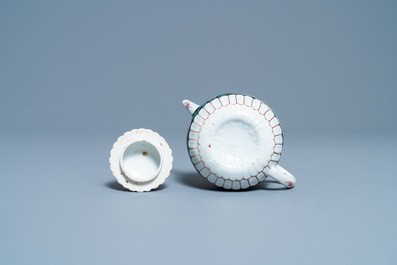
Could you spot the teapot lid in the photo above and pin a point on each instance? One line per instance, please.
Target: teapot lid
(141, 160)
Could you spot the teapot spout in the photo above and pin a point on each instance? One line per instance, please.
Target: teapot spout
(190, 106)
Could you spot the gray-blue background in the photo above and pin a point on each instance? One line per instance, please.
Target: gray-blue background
(75, 75)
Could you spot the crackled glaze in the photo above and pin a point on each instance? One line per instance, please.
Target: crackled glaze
(235, 141)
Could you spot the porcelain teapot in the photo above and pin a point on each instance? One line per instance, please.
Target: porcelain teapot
(235, 141)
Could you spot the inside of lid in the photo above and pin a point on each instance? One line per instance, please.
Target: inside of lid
(141, 161)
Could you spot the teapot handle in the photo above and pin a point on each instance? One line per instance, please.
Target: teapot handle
(282, 176)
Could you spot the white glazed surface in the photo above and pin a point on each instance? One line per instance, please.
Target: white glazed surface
(138, 171)
(141, 161)
(234, 140)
